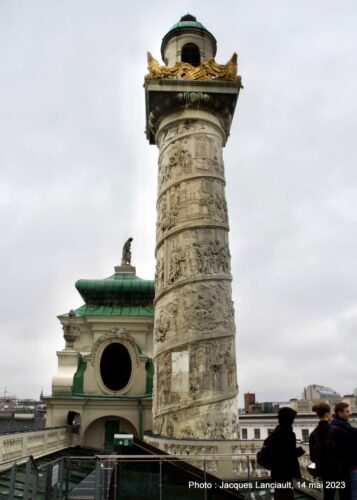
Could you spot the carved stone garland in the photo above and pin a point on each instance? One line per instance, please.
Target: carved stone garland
(120, 335)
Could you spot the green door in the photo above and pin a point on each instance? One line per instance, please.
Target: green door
(111, 427)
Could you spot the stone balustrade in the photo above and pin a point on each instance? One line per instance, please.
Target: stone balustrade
(14, 447)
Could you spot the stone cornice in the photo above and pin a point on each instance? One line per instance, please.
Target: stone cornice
(163, 98)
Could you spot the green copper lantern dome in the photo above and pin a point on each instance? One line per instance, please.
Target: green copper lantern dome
(187, 23)
(123, 293)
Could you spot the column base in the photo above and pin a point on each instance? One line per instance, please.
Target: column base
(229, 466)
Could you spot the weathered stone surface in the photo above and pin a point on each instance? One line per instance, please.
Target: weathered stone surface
(195, 385)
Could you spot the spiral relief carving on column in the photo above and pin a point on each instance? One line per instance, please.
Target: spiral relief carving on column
(195, 369)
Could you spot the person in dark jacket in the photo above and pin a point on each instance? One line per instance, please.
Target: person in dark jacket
(330, 450)
(341, 420)
(285, 464)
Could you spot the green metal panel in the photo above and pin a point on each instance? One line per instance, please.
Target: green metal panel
(78, 378)
(149, 367)
(111, 427)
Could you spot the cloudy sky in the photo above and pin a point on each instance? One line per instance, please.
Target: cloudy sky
(77, 177)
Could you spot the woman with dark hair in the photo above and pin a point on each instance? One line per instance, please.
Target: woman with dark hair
(284, 455)
(330, 450)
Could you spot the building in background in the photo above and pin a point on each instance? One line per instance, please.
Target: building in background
(258, 420)
(316, 391)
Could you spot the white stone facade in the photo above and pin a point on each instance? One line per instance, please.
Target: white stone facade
(258, 427)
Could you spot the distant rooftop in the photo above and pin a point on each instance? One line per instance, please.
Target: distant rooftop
(11, 422)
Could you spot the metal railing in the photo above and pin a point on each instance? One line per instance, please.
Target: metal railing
(160, 477)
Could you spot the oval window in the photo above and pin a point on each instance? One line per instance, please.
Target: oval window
(115, 366)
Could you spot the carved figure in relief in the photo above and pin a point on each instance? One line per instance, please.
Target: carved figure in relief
(195, 387)
(224, 260)
(198, 378)
(174, 205)
(170, 428)
(159, 273)
(158, 424)
(164, 172)
(221, 429)
(206, 258)
(163, 217)
(184, 127)
(181, 260)
(161, 329)
(212, 197)
(201, 361)
(180, 157)
(198, 258)
(197, 314)
(175, 160)
(208, 155)
(201, 146)
(235, 426)
(164, 380)
(216, 206)
(187, 432)
(167, 216)
(229, 363)
(208, 430)
(198, 125)
(190, 267)
(174, 269)
(166, 321)
(216, 307)
(201, 308)
(218, 369)
(205, 307)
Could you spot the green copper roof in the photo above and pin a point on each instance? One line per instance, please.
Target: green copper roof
(114, 311)
(187, 22)
(123, 294)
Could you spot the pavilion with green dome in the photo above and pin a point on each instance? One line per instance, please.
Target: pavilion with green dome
(104, 380)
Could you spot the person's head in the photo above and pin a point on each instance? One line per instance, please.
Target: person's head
(323, 411)
(286, 416)
(342, 411)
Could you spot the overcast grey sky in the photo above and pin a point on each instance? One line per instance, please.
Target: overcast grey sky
(78, 177)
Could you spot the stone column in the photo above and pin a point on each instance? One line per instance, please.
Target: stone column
(195, 384)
